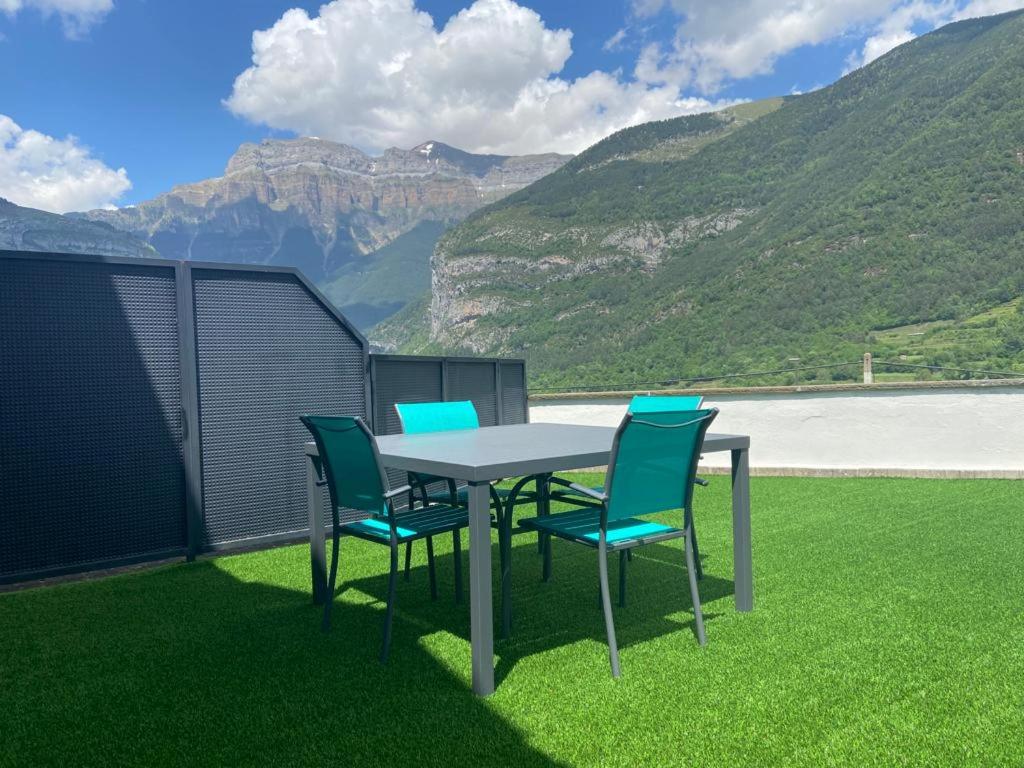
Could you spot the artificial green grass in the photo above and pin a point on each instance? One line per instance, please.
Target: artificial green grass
(888, 630)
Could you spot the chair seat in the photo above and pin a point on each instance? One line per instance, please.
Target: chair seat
(418, 524)
(584, 525)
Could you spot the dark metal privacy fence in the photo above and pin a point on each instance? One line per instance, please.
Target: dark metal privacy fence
(149, 408)
(496, 387)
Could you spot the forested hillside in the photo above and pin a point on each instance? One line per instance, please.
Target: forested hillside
(739, 240)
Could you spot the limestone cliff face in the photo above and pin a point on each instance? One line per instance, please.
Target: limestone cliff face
(496, 273)
(27, 229)
(318, 204)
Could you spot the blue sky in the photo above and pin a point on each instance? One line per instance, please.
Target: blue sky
(149, 86)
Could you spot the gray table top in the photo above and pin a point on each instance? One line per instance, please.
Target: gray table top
(512, 450)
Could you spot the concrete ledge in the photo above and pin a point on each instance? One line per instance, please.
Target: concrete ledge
(932, 474)
(804, 388)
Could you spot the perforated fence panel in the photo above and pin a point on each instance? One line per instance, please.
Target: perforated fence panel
(90, 415)
(403, 381)
(513, 393)
(268, 351)
(496, 387)
(476, 382)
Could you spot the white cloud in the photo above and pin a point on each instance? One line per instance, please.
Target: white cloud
(736, 39)
(614, 42)
(898, 27)
(57, 175)
(378, 73)
(76, 16)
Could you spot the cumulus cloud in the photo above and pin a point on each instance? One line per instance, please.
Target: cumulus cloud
(57, 175)
(76, 16)
(378, 73)
(735, 39)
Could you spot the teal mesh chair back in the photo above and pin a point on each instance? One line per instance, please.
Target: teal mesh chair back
(355, 477)
(437, 417)
(654, 461)
(658, 403)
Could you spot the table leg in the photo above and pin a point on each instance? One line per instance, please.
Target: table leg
(481, 616)
(317, 547)
(743, 567)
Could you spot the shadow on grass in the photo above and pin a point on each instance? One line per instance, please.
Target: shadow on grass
(562, 611)
(192, 664)
(189, 665)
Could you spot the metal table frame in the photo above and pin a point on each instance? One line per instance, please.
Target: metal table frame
(479, 456)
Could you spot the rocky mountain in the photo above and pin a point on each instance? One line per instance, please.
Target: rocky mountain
(322, 206)
(737, 240)
(26, 229)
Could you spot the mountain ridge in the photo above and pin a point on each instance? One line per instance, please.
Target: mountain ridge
(326, 208)
(28, 229)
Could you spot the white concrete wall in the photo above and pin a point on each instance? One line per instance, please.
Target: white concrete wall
(966, 430)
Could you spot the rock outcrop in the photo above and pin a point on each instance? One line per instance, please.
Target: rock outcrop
(320, 205)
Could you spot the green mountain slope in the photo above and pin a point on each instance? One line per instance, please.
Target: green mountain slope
(706, 244)
(377, 286)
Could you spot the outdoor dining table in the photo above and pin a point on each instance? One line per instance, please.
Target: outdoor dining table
(480, 456)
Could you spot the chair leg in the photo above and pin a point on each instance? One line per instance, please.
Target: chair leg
(691, 573)
(457, 547)
(696, 552)
(606, 603)
(408, 559)
(389, 614)
(629, 555)
(688, 520)
(332, 580)
(623, 558)
(430, 568)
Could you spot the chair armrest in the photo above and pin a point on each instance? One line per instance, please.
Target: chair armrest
(596, 495)
(397, 492)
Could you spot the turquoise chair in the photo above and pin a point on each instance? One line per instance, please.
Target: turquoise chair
(658, 403)
(652, 468)
(417, 418)
(356, 480)
(646, 404)
(643, 404)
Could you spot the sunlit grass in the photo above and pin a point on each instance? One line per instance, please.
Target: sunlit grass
(888, 630)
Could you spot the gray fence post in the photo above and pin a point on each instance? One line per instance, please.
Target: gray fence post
(191, 443)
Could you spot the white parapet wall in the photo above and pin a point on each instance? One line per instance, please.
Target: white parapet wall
(962, 431)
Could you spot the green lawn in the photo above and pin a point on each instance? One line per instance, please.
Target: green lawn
(888, 630)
